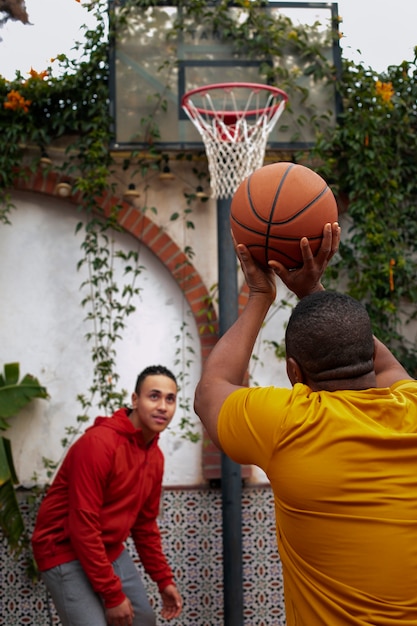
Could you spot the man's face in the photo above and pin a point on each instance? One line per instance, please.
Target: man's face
(155, 405)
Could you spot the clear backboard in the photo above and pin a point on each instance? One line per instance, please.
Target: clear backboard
(153, 63)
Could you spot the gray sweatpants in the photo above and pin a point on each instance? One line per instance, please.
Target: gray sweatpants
(78, 605)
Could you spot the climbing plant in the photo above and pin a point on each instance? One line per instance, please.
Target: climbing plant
(370, 160)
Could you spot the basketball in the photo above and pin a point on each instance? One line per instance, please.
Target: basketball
(277, 205)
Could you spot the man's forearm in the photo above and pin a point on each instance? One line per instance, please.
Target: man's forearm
(230, 357)
(226, 367)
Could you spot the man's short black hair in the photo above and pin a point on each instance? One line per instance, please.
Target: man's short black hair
(153, 370)
(329, 334)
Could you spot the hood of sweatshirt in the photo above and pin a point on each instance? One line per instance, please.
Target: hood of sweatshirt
(121, 423)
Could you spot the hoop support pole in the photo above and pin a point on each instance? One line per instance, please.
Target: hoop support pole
(231, 476)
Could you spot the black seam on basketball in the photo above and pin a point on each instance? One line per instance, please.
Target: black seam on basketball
(276, 238)
(245, 226)
(272, 209)
(248, 228)
(251, 205)
(301, 211)
(273, 238)
(281, 252)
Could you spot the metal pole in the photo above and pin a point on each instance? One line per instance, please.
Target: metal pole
(231, 472)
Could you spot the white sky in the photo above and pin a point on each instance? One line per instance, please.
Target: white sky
(53, 29)
(385, 33)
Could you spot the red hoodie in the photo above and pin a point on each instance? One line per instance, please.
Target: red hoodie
(109, 486)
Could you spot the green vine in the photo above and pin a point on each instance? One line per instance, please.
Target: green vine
(370, 159)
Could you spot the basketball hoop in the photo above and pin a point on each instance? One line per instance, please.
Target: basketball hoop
(234, 121)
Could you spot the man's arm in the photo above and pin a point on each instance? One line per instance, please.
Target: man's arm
(387, 369)
(89, 469)
(147, 538)
(228, 362)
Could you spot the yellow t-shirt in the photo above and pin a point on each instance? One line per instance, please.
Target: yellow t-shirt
(343, 469)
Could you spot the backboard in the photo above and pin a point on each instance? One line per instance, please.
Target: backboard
(153, 63)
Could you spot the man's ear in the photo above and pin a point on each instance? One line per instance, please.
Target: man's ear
(294, 371)
(134, 399)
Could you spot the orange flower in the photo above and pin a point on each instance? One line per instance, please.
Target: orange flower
(391, 274)
(16, 102)
(385, 91)
(41, 75)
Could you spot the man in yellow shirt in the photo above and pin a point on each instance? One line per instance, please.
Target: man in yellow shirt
(339, 448)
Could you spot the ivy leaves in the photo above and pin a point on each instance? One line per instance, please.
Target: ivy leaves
(370, 158)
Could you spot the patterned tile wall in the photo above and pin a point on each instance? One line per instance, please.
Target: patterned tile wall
(190, 523)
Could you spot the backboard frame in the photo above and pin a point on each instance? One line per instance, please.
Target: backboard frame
(187, 138)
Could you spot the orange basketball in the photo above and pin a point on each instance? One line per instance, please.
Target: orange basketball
(277, 205)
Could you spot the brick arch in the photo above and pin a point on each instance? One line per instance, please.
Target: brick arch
(151, 235)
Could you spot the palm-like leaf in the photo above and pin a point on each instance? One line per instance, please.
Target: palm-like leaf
(7, 470)
(14, 395)
(11, 520)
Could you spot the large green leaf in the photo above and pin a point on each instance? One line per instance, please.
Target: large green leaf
(14, 395)
(11, 521)
(7, 470)
(11, 374)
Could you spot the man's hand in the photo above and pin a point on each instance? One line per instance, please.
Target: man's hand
(258, 279)
(306, 279)
(120, 615)
(172, 602)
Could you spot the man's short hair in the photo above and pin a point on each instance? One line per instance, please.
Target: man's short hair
(329, 334)
(153, 370)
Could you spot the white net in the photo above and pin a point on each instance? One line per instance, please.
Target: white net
(234, 122)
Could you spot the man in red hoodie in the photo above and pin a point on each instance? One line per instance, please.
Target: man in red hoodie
(109, 487)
